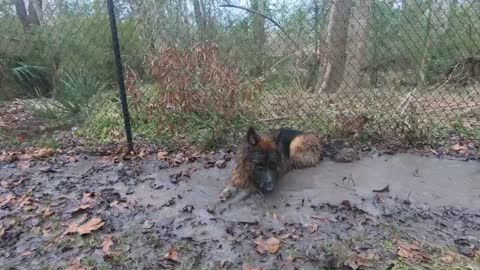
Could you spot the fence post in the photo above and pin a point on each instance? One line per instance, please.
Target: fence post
(120, 77)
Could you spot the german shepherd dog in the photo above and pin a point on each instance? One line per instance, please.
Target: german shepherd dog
(263, 158)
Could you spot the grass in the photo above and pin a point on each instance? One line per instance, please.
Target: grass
(207, 130)
(211, 129)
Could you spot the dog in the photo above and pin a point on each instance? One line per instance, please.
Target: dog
(264, 158)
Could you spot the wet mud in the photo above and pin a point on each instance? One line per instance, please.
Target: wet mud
(379, 212)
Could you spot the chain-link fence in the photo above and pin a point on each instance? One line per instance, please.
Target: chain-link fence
(206, 69)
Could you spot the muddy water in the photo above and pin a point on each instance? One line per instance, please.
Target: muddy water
(434, 182)
(428, 199)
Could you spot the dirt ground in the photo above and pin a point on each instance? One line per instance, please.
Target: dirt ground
(80, 211)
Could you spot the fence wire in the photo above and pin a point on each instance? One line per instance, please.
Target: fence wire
(206, 69)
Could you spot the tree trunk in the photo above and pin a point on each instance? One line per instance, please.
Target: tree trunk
(314, 62)
(427, 44)
(36, 11)
(358, 52)
(337, 34)
(259, 35)
(28, 17)
(199, 20)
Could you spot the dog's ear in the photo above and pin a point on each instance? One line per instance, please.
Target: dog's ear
(252, 136)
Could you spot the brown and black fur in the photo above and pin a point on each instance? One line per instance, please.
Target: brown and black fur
(263, 158)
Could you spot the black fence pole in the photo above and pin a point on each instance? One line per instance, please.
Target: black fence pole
(120, 78)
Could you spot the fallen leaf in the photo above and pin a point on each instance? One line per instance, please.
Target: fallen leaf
(221, 164)
(76, 265)
(458, 148)
(467, 125)
(73, 227)
(88, 198)
(2, 231)
(272, 245)
(361, 260)
(107, 244)
(322, 219)
(141, 153)
(313, 227)
(47, 212)
(90, 226)
(17, 183)
(6, 200)
(81, 208)
(24, 157)
(72, 159)
(385, 189)
(162, 155)
(46, 231)
(247, 266)
(171, 255)
(406, 250)
(148, 224)
(44, 152)
(24, 200)
(448, 258)
(23, 164)
(27, 253)
(122, 206)
(410, 251)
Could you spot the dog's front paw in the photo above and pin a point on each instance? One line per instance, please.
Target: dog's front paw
(227, 193)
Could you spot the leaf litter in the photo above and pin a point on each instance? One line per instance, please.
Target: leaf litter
(286, 241)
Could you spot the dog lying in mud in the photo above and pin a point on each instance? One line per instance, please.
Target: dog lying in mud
(264, 158)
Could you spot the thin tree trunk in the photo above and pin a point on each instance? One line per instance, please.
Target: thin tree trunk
(22, 14)
(29, 17)
(358, 53)
(36, 11)
(314, 65)
(427, 44)
(337, 34)
(259, 35)
(199, 19)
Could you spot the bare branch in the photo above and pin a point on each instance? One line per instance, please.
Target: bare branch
(264, 16)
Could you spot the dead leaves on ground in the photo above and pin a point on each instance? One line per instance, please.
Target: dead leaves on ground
(6, 200)
(90, 226)
(81, 227)
(271, 245)
(411, 252)
(26, 154)
(171, 255)
(247, 266)
(25, 202)
(362, 259)
(107, 245)
(312, 227)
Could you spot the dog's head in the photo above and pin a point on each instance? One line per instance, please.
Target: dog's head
(264, 157)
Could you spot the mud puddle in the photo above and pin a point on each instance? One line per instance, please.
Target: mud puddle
(376, 213)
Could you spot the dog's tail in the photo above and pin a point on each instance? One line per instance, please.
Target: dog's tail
(339, 151)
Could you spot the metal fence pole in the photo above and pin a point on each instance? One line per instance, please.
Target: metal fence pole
(120, 77)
